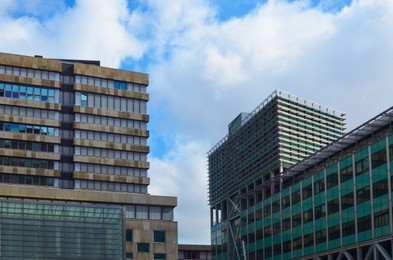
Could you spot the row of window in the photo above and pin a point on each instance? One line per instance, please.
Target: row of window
(111, 186)
(346, 173)
(108, 169)
(26, 145)
(28, 129)
(158, 236)
(27, 92)
(144, 248)
(107, 83)
(26, 162)
(109, 137)
(149, 212)
(31, 73)
(26, 179)
(111, 102)
(108, 153)
(103, 120)
(29, 112)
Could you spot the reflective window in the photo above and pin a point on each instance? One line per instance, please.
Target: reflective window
(83, 99)
(159, 236)
(143, 247)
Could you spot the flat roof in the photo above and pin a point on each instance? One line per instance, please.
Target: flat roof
(288, 96)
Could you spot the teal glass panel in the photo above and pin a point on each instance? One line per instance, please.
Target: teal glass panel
(382, 231)
(309, 250)
(334, 243)
(49, 231)
(297, 253)
(320, 247)
(349, 240)
(365, 235)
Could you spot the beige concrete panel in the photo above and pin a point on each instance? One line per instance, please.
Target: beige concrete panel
(111, 161)
(30, 62)
(111, 91)
(111, 113)
(143, 232)
(30, 137)
(30, 103)
(111, 129)
(30, 120)
(111, 177)
(30, 154)
(109, 73)
(52, 193)
(30, 81)
(28, 171)
(111, 145)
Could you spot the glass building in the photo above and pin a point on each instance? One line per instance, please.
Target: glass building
(245, 166)
(73, 132)
(334, 204)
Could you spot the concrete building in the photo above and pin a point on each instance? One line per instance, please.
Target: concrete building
(247, 165)
(194, 252)
(73, 164)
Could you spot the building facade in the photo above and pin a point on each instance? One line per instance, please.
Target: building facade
(246, 166)
(73, 164)
(194, 252)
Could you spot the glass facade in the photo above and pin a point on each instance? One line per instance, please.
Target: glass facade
(340, 203)
(60, 231)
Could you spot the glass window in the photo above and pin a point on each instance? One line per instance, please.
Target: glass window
(159, 236)
(167, 213)
(143, 247)
(129, 235)
(83, 99)
(159, 256)
(1, 89)
(129, 256)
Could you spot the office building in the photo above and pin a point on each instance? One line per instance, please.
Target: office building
(194, 252)
(246, 167)
(73, 164)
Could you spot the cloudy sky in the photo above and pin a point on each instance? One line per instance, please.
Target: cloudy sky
(209, 60)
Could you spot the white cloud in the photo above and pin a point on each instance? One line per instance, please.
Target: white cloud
(205, 71)
(179, 174)
(93, 29)
(220, 69)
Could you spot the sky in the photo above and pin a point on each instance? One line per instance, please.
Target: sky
(209, 60)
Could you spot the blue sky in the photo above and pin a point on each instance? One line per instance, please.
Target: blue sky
(210, 60)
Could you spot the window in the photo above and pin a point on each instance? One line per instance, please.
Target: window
(120, 85)
(129, 256)
(159, 236)
(159, 256)
(83, 100)
(143, 247)
(129, 235)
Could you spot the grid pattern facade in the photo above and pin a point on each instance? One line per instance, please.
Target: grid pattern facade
(71, 130)
(343, 203)
(60, 231)
(244, 166)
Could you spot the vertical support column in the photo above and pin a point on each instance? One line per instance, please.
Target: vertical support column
(339, 202)
(389, 187)
(371, 191)
(313, 214)
(326, 213)
(359, 253)
(355, 200)
(302, 218)
(291, 214)
(281, 236)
